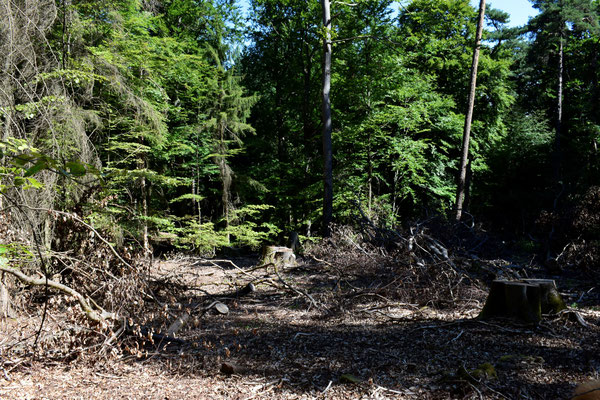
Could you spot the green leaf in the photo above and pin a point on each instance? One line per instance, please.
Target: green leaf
(22, 160)
(75, 168)
(37, 167)
(34, 183)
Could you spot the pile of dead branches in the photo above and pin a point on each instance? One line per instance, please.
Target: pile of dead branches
(68, 297)
(411, 266)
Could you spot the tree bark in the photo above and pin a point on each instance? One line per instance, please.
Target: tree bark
(327, 146)
(462, 187)
(559, 106)
(5, 300)
(524, 300)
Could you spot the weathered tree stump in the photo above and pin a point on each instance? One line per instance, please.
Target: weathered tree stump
(5, 301)
(551, 300)
(524, 300)
(278, 255)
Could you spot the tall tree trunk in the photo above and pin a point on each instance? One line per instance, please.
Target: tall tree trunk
(462, 187)
(144, 194)
(7, 49)
(327, 150)
(559, 122)
(307, 124)
(66, 35)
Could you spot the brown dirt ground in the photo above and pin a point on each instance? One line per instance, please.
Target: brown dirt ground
(365, 342)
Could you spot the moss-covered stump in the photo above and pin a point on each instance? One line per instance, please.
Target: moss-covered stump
(552, 302)
(524, 300)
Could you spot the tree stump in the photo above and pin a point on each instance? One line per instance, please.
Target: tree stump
(278, 255)
(552, 302)
(5, 301)
(524, 300)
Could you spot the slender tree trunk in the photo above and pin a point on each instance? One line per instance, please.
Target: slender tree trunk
(279, 127)
(559, 106)
(7, 100)
(144, 194)
(66, 36)
(7, 31)
(327, 147)
(369, 171)
(307, 125)
(462, 187)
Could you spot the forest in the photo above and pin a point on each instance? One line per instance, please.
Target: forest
(285, 199)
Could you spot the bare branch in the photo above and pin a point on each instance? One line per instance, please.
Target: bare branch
(99, 315)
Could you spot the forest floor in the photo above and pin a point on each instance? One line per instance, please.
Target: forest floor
(353, 326)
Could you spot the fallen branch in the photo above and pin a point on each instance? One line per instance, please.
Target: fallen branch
(100, 316)
(299, 291)
(217, 305)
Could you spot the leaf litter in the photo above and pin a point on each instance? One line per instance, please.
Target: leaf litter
(347, 320)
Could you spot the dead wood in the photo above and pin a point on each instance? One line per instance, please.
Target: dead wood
(96, 314)
(229, 368)
(278, 255)
(221, 308)
(5, 300)
(524, 300)
(298, 291)
(88, 226)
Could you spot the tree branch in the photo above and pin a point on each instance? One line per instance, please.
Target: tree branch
(99, 315)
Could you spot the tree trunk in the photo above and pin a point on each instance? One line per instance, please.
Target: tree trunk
(144, 195)
(7, 50)
(462, 187)
(559, 106)
(66, 35)
(327, 150)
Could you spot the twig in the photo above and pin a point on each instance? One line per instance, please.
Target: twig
(389, 390)
(457, 336)
(320, 261)
(302, 334)
(299, 291)
(76, 218)
(114, 336)
(475, 387)
(498, 326)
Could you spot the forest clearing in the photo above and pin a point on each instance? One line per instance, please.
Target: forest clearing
(286, 199)
(358, 323)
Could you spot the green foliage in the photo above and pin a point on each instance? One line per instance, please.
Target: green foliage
(517, 181)
(244, 229)
(21, 162)
(189, 131)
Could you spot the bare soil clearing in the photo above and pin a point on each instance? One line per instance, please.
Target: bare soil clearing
(369, 334)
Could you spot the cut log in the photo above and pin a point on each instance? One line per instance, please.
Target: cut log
(525, 300)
